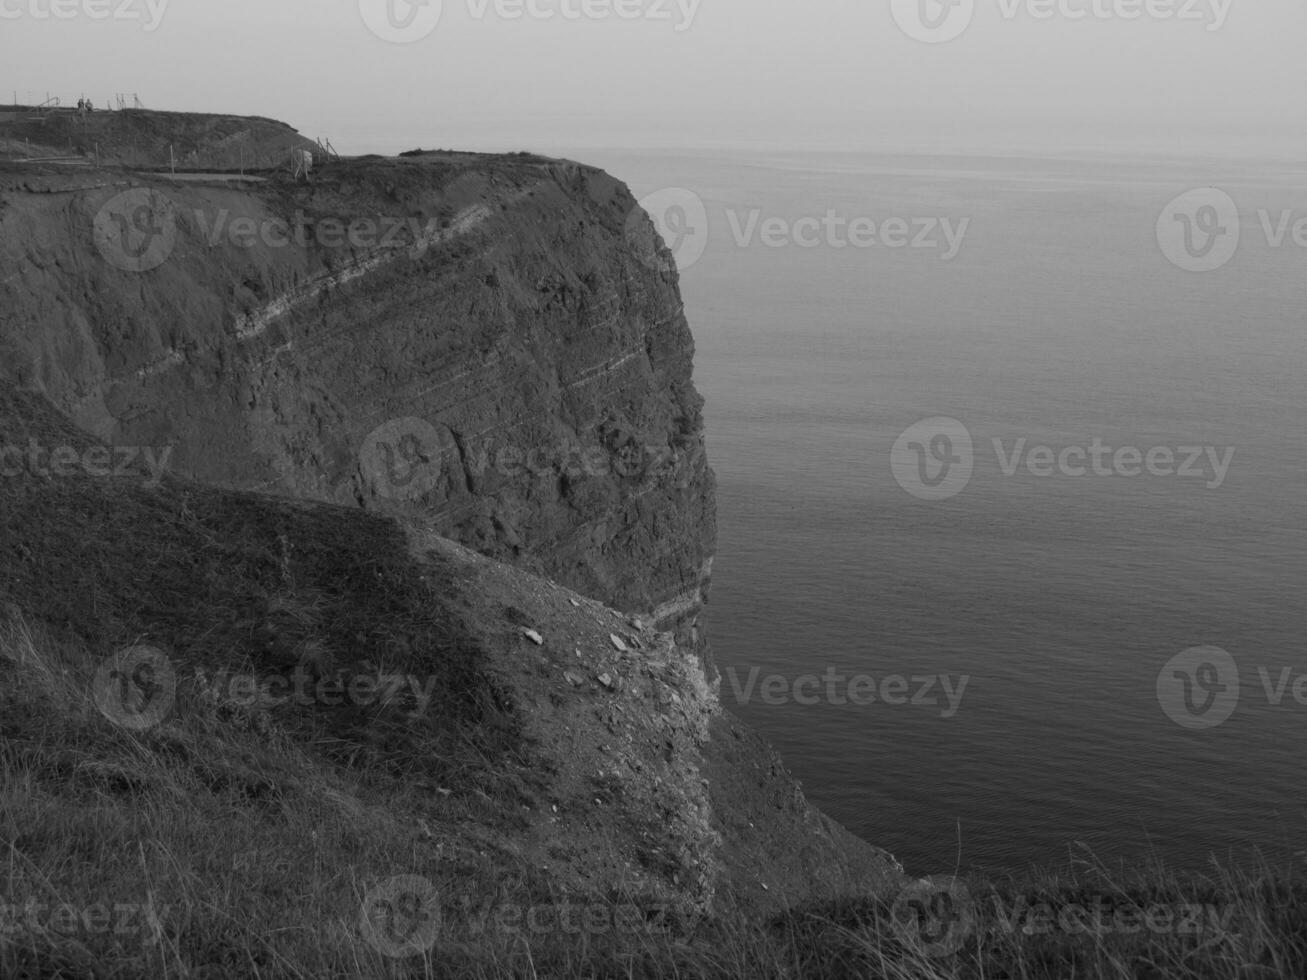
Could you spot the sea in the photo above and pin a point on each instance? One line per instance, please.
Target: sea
(1095, 605)
(1012, 454)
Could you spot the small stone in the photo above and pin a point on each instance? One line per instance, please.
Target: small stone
(534, 637)
(637, 623)
(606, 680)
(575, 603)
(575, 680)
(618, 642)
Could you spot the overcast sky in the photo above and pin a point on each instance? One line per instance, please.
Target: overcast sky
(989, 75)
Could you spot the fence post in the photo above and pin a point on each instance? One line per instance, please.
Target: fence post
(172, 160)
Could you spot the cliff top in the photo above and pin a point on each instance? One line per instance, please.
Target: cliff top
(146, 138)
(149, 139)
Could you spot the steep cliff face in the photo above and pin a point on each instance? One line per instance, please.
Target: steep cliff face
(496, 345)
(492, 351)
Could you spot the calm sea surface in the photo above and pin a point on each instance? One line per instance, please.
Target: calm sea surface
(1060, 599)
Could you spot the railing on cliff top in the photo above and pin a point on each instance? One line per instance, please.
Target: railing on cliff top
(27, 98)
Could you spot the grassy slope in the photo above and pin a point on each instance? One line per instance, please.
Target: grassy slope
(251, 827)
(556, 775)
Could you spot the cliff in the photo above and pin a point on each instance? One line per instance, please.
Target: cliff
(477, 341)
(434, 412)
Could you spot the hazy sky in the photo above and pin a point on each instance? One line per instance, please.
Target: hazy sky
(1182, 75)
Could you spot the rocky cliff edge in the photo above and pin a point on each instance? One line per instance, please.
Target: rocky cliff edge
(477, 368)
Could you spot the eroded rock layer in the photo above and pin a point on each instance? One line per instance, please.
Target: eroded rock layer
(496, 344)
